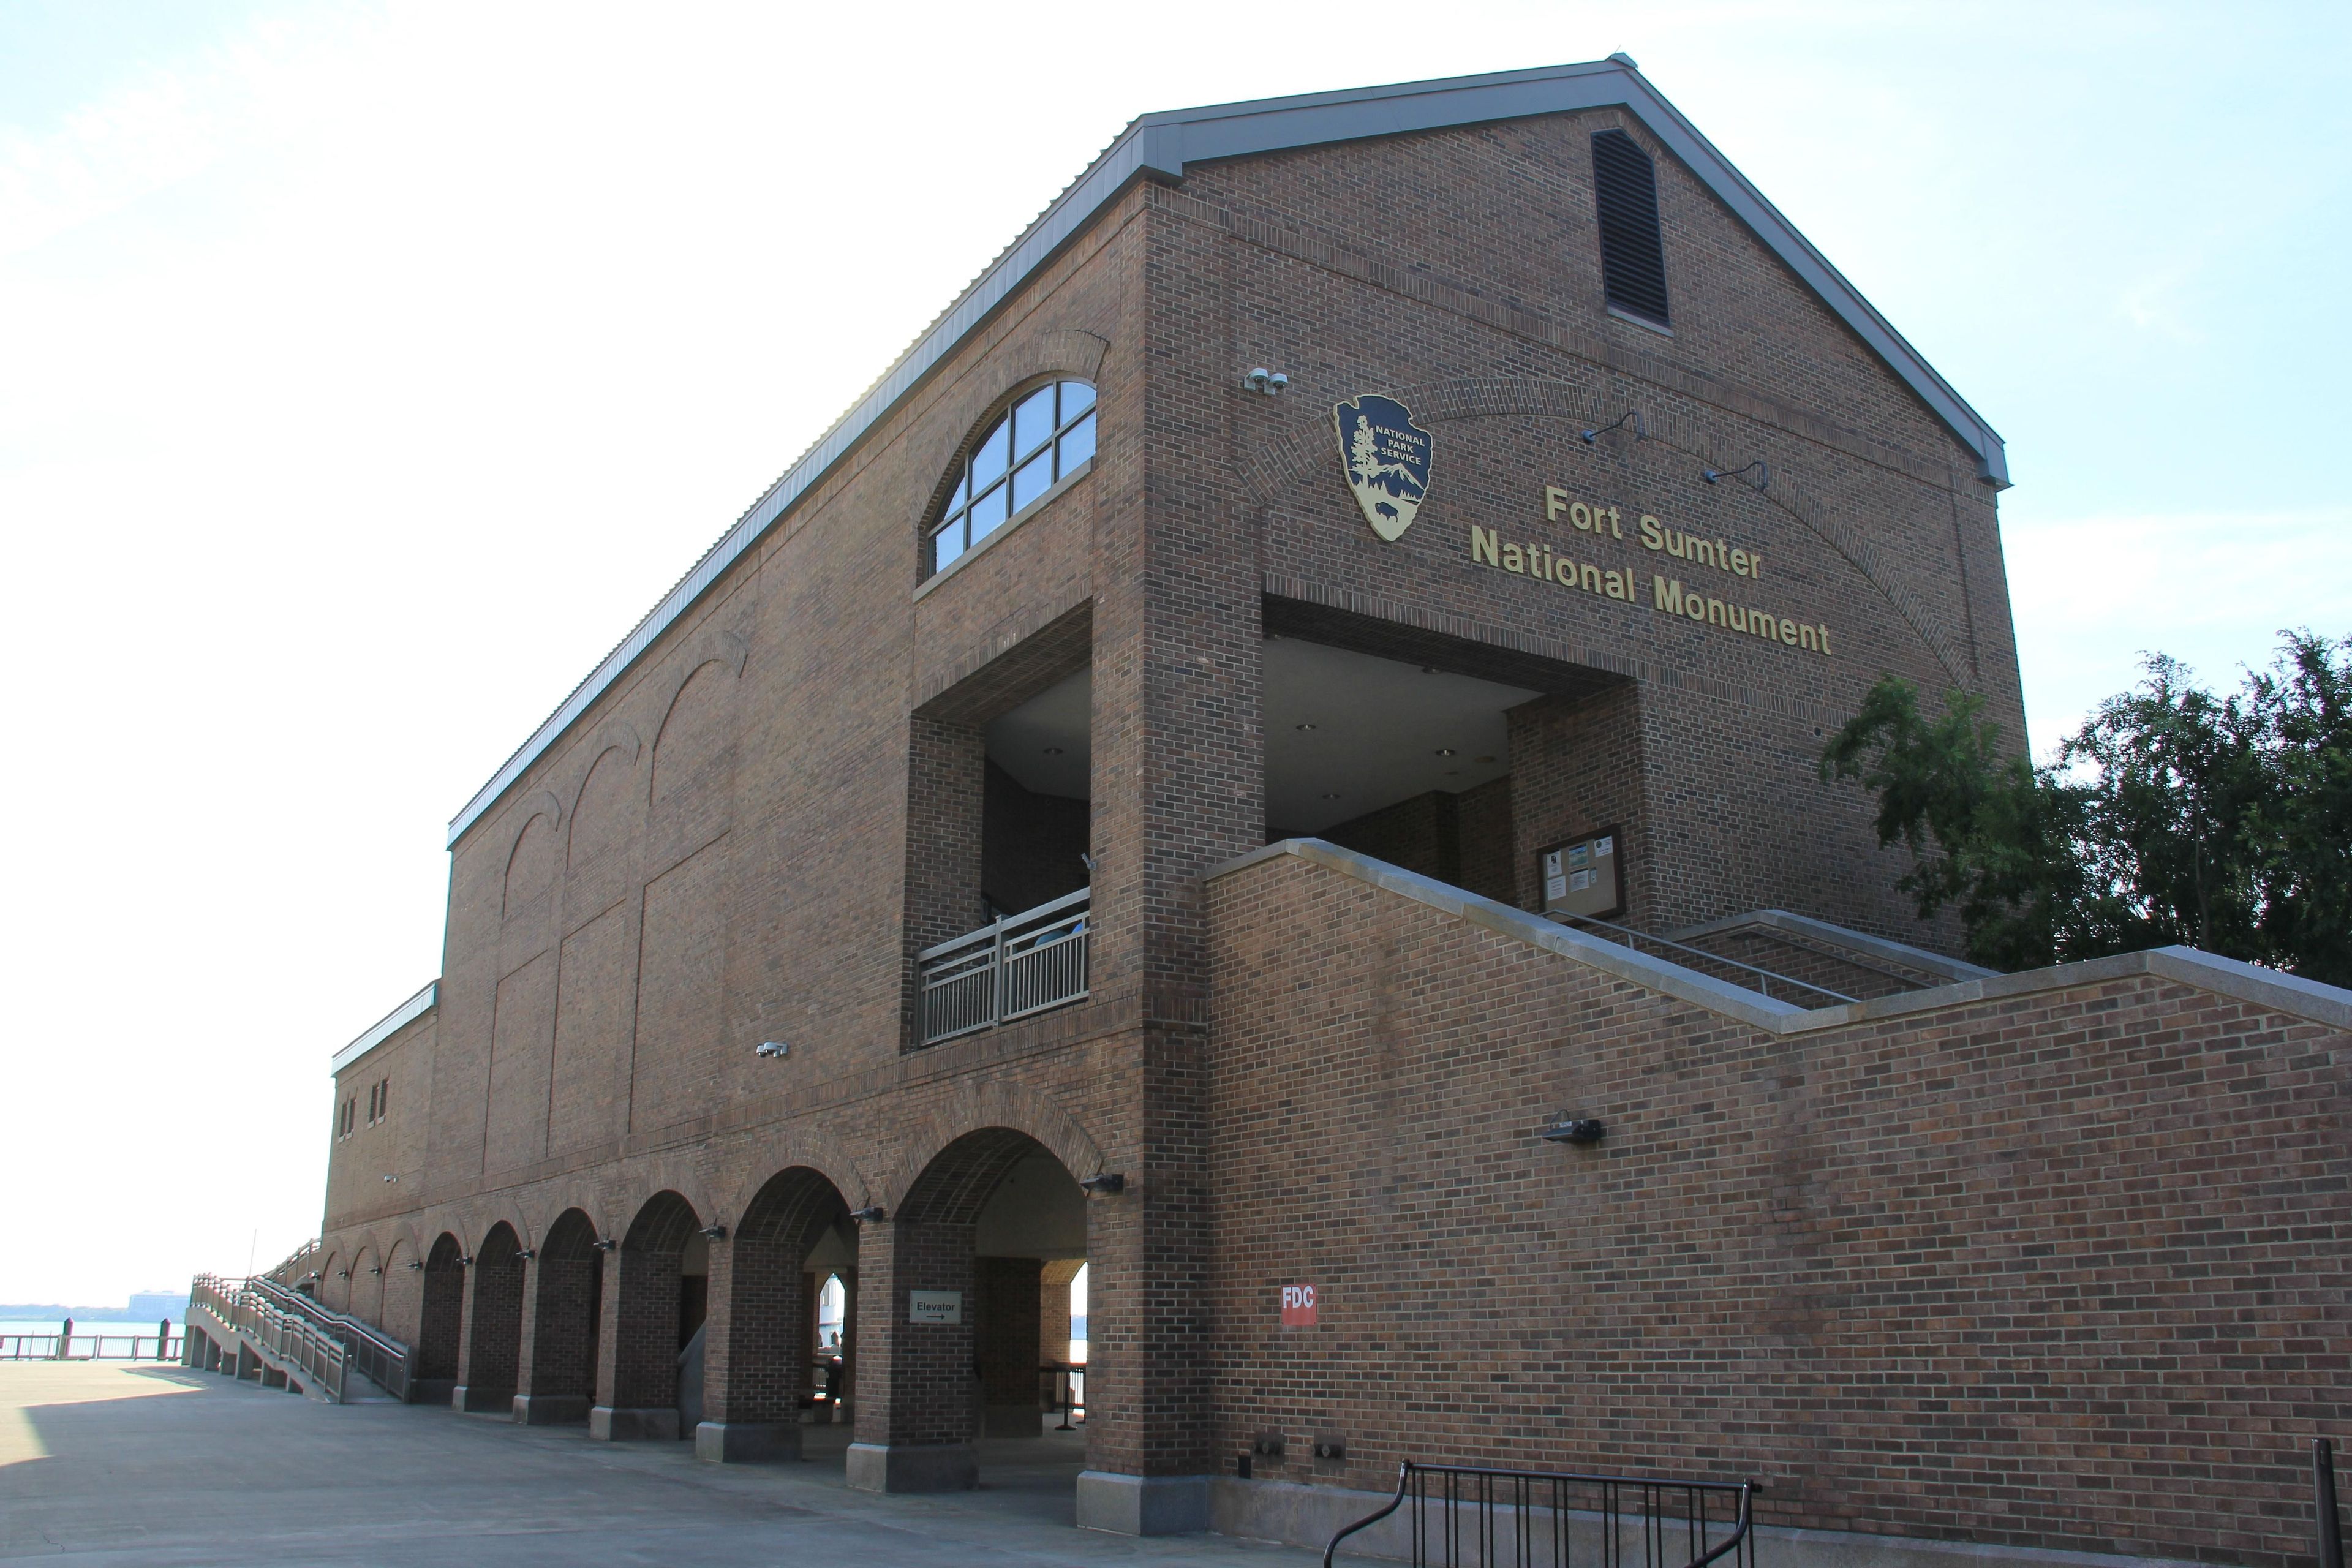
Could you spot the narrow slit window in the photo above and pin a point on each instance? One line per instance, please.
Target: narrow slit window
(1038, 443)
(1632, 253)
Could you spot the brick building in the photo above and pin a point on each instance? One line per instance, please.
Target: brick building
(1190, 775)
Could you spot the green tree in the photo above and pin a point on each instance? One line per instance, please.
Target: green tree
(2170, 817)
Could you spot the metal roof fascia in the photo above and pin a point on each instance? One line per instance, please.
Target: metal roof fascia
(383, 1027)
(1163, 144)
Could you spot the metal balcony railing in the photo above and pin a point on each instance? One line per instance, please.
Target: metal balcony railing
(1007, 969)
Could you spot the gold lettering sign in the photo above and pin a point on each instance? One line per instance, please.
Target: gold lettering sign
(1673, 588)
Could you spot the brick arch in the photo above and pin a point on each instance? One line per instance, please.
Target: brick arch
(583, 1198)
(682, 1172)
(811, 1147)
(761, 1355)
(1304, 451)
(965, 414)
(440, 1309)
(662, 1223)
(366, 1295)
(494, 1348)
(976, 1107)
(401, 1288)
(335, 1290)
(488, 1216)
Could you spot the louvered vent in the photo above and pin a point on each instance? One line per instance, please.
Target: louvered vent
(1633, 258)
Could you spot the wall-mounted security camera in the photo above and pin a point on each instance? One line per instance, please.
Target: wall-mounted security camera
(773, 1048)
(1269, 382)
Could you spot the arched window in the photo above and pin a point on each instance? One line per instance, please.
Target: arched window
(1042, 439)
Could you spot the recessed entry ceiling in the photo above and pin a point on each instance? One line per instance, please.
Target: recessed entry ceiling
(1047, 742)
(1346, 733)
(1380, 732)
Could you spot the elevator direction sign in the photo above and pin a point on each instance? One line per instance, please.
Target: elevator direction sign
(935, 1306)
(1298, 1306)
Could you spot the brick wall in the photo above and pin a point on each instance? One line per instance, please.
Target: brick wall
(2008, 1271)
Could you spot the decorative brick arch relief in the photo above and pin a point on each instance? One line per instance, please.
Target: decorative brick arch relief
(1308, 449)
(975, 1108)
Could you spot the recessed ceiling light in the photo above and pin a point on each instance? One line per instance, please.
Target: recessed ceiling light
(1444, 751)
(1302, 727)
(1331, 794)
(1053, 751)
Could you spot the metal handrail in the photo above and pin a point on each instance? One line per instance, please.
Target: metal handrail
(1470, 1493)
(60, 1347)
(1010, 968)
(295, 1342)
(1562, 917)
(380, 1359)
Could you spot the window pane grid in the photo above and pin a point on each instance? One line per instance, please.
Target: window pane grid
(1040, 440)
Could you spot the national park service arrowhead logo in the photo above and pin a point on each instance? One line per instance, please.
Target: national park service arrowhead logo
(1385, 456)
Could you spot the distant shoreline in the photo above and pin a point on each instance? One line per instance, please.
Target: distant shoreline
(38, 1312)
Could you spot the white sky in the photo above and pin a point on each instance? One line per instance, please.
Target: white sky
(366, 372)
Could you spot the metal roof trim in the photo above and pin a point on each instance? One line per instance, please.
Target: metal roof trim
(382, 1029)
(1163, 144)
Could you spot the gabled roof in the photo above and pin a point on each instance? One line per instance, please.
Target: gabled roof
(1164, 144)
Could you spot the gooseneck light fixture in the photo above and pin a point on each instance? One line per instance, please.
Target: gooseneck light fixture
(1630, 416)
(1763, 475)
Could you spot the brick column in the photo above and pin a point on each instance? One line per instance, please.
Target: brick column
(752, 1366)
(490, 1336)
(637, 1350)
(914, 1428)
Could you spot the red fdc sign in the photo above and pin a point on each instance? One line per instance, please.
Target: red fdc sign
(1298, 1306)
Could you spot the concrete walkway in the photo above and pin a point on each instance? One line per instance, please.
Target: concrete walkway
(108, 1463)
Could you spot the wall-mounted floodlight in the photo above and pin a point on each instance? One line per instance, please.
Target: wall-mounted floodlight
(866, 1215)
(1630, 416)
(714, 1232)
(414, 1264)
(603, 1243)
(1110, 1185)
(1269, 382)
(375, 1269)
(524, 1254)
(1763, 475)
(465, 1262)
(1582, 1132)
(772, 1049)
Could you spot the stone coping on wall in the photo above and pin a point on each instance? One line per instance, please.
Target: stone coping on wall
(2327, 1005)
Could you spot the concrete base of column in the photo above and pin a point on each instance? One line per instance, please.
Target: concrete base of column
(1013, 1421)
(431, 1390)
(912, 1468)
(607, 1424)
(1142, 1505)
(550, 1409)
(747, 1442)
(477, 1400)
